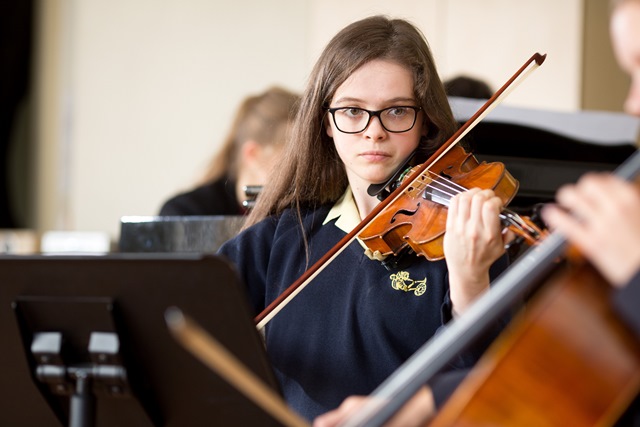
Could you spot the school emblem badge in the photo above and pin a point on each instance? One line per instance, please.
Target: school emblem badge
(402, 282)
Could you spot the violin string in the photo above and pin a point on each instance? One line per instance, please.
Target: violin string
(507, 215)
(445, 184)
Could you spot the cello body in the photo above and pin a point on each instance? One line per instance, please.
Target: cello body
(567, 360)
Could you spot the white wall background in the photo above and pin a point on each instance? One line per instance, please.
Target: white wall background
(134, 96)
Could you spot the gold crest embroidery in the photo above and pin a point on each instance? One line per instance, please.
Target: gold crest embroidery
(402, 282)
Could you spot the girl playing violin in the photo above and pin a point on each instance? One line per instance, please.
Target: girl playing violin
(373, 99)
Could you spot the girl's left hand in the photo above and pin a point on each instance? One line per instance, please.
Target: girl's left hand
(472, 243)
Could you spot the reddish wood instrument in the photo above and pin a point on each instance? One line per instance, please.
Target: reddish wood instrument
(418, 218)
(566, 361)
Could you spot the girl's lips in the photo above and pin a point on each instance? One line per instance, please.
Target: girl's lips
(375, 155)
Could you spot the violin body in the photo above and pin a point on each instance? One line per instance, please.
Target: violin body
(567, 360)
(418, 217)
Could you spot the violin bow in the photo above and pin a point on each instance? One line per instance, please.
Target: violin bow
(283, 299)
(506, 291)
(213, 354)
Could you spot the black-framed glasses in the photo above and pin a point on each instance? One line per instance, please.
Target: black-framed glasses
(395, 119)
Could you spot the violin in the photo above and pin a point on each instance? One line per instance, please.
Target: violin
(419, 178)
(417, 219)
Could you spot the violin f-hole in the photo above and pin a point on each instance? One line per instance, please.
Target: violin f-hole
(404, 212)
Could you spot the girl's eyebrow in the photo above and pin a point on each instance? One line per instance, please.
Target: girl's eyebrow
(399, 99)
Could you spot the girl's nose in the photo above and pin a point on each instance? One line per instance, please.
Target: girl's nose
(375, 130)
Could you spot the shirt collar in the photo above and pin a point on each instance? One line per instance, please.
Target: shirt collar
(346, 211)
(348, 216)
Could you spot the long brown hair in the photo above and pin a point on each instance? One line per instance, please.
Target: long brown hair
(264, 118)
(312, 174)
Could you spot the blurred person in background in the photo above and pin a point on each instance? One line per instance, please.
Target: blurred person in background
(467, 87)
(248, 153)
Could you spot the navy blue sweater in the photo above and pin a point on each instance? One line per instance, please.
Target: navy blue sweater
(353, 325)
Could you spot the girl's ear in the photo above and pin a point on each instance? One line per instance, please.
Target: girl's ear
(250, 152)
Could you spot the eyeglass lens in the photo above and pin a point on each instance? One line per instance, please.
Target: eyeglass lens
(393, 119)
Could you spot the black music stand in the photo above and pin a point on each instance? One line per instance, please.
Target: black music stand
(87, 333)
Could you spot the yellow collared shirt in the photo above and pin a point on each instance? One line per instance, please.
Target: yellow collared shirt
(348, 216)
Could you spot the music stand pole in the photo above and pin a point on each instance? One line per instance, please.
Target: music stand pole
(82, 405)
